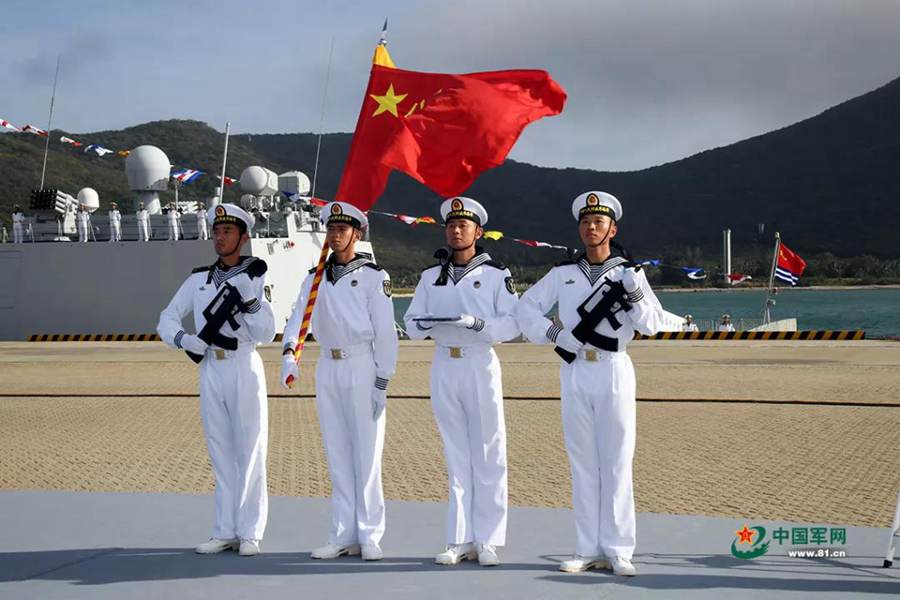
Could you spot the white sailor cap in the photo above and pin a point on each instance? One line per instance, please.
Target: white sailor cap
(597, 203)
(459, 207)
(342, 212)
(229, 213)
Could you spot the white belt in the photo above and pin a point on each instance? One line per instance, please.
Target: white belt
(462, 351)
(220, 354)
(363, 349)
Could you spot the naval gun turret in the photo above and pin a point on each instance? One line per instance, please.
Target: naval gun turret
(147, 168)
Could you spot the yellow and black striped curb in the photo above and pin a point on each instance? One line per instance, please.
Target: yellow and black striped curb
(820, 335)
(824, 335)
(100, 337)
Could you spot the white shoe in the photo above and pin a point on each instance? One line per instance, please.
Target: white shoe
(334, 551)
(578, 563)
(249, 548)
(456, 553)
(216, 545)
(371, 552)
(487, 555)
(623, 566)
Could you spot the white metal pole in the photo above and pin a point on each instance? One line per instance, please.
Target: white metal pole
(322, 120)
(221, 195)
(49, 123)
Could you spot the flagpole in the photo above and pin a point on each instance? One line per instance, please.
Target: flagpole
(49, 122)
(767, 316)
(221, 197)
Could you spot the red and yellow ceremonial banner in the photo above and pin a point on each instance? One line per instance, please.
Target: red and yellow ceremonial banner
(442, 130)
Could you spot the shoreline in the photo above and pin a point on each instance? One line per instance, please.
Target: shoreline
(403, 293)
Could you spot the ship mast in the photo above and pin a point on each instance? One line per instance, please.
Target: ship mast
(49, 123)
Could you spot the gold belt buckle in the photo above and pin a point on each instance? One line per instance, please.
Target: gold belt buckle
(455, 352)
(591, 355)
(336, 354)
(220, 354)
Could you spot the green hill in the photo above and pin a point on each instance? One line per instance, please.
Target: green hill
(827, 183)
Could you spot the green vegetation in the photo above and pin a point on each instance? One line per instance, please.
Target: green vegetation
(828, 184)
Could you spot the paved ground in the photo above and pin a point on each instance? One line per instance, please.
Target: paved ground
(124, 417)
(76, 546)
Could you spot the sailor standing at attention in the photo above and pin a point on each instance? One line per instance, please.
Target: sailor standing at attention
(603, 299)
(174, 222)
(18, 224)
(465, 303)
(84, 224)
(143, 222)
(115, 223)
(353, 321)
(202, 229)
(232, 315)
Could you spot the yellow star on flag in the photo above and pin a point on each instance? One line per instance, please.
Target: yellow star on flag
(388, 102)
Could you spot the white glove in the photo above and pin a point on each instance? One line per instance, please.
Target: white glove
(567, 341)
(467, 321)
(379, 401)
(193, 344)
(289, 368)
(631, 280)
(244, 287)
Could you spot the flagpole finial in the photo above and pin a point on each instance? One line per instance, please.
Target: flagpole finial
(383, 40)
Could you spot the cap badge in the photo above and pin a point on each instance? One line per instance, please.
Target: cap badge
(593, 200)
(457, 204)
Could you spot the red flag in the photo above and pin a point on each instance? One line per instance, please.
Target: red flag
(443, 130)
(789, 266)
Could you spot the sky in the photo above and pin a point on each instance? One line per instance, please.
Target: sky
(648, 81)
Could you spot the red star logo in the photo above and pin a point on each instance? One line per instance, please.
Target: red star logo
(746, 535)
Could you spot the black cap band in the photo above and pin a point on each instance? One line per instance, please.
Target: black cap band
(463, 214)
(600, 209)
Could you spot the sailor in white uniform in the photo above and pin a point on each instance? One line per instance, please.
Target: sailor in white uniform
(143, 222)
(174, 222)
(84, 223)
(353, 321)
(598, 385)
(689, 324)
(726, 325)
(232, 315)
(115, 223)
(477, 295)
(18, 224)
(202, 229)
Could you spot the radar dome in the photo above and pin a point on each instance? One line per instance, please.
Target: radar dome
(89, 198)
(147, 168)
(294, 182)
(259, 181)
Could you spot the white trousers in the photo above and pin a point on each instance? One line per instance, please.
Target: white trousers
(115, 233)
(354, 442)
(467, 398)
(233, 405)
(82, 233)
(143, 231)
(174, 232)
(598, 416)
(17, 233)
(202, 230)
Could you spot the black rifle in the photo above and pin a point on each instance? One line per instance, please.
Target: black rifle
(604, 302)
(221, 310)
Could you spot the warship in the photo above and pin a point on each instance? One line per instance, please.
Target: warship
(102, 289)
